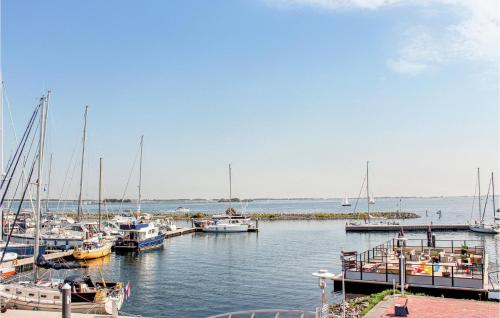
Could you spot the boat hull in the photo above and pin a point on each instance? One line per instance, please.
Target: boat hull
(226, 228)
(484, 230)
(147, 244)
(92, 254)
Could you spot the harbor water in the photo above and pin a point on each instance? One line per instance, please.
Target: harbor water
(198, 275)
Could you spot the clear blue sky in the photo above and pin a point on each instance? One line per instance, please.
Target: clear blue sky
(297, 94)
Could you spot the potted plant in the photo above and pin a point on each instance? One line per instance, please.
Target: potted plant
(434, 256)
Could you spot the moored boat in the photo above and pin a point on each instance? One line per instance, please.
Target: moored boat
(92, 249)
(139, 237)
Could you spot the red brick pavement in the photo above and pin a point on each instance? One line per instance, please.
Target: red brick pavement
(423, 307)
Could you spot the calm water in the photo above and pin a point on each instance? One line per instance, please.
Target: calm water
(198, 275)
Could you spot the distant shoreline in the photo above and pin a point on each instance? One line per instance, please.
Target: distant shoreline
(218, 200)
(270, 216)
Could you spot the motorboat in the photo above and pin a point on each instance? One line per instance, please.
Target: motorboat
(139, 237)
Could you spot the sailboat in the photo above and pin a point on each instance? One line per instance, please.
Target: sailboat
(230, 222)
(95, 247)
(139, 235)
(345, 202)
(87, 296)
(481, 226)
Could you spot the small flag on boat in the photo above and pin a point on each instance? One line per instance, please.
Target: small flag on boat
(126, 291)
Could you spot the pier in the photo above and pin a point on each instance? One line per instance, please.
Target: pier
(181, 231)
(405, 227)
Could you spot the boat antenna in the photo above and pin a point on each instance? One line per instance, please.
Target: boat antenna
(82, 163)
(140, 177)
(41, 146)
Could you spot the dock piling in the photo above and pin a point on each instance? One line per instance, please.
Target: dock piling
(66, 301)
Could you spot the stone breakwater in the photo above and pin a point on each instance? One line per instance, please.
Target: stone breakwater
(275, 216)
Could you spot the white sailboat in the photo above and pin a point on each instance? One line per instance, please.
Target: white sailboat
(345, 202)
(481, 226)
(230, 222)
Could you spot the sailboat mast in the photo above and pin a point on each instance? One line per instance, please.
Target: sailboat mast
(493, 192)
(100, 191)
(367, 188)
(83, 161)
(41, 146)
(479, 194)
(48, 185)
(230, 188)
(140, 178)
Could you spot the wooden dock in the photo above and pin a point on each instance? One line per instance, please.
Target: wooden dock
(405, 227)
(181, 231)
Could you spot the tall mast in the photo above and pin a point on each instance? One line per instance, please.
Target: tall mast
(41, 145)
(83, 161)
(493, 190)
(100, 191)
(367, 188)
(140, 178)
(230, 188)
(48, 185)
(479, 194)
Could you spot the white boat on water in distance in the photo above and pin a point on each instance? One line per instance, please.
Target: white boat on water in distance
(345, 202)
(182, 210)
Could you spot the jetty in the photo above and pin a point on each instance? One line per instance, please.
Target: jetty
(180, 231)
(405, 227)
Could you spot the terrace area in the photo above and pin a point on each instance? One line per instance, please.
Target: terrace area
(438, 263)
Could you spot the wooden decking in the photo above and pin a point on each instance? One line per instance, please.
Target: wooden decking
(405, 227)
(181, 231)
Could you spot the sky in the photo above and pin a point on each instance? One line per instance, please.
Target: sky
(296, 94)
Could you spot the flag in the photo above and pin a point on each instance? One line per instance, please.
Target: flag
(126, 291)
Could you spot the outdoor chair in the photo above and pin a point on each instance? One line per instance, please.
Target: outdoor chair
(401, 310)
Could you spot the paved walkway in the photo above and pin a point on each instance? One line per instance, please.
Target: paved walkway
(436, 307)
